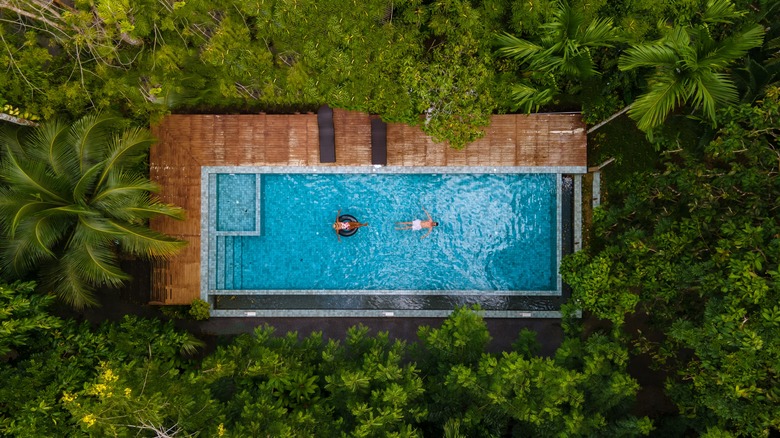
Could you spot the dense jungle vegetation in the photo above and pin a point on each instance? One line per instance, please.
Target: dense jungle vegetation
(680, 268)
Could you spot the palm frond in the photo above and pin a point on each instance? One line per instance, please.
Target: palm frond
(32, 244)
(65, 279)
(19, 257)
(127, 149)
(599, 33)
(120, 185)
(86, 182)
(152, 209)
(98, 264)
(513, 47)
(141, 241)
(24, 211)
(579, 66)
(49, 143)
(652, 108)
(648, 55)
(733, 48)
(547, 61)
(98, 226)
(709, 90)
(89, 136)
(720, 11)
(10, 138)
(567, 22)
(31, 177)
(46, 233)
(72, 210)
(529, 99)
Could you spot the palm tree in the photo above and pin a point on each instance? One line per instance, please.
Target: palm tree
(690, 66)
(74, 198)
(564, 49)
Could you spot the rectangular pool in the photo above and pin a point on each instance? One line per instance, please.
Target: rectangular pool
(269, 246)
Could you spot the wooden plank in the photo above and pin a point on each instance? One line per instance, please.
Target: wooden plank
(297, 140)
(258, 141)
(526, 126)
(244, 136)
(231, 147)
(395, 143)
(277, 150)
(312, 145)
(502, 139)
(353, 138)
(436, 154)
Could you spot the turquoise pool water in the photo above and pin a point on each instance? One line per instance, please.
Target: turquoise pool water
(273, 232)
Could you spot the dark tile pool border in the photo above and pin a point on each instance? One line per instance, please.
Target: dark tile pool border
(208, 250)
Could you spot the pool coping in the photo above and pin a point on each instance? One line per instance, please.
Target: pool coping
(208, 251)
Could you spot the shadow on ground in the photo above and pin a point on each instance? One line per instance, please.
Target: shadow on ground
(503, 331)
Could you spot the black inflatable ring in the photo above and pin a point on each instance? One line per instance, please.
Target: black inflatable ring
(347, 218)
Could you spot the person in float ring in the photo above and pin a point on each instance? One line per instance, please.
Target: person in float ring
(418, 224)
(340, 226)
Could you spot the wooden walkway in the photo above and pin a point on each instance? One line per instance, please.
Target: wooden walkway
(187, 142)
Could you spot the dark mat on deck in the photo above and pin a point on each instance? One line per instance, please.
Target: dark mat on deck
(327, 135)
(378, 141)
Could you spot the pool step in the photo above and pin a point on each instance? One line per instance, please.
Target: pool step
(229, 262)
(219, 269)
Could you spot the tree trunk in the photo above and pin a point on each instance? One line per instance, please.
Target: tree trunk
(17, 120)
(617, 114)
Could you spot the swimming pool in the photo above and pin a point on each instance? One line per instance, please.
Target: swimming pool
(268, 245)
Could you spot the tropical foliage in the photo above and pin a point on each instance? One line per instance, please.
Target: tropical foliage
(135, 378)
(583, 391)
(563, 50)
(695, 247)
(23, 316)
(401, 60)
(72, 374)
(74, 198)
(690, 64)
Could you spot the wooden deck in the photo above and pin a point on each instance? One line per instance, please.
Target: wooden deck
(187, 142)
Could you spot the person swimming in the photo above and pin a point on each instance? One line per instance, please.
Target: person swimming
(340, 226)
(417, 225)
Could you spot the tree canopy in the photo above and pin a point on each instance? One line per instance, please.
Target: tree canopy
(138, 377)
(696, 247)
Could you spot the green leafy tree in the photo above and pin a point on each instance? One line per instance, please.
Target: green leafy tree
(74, 199)
(695, 248)
(690, 65)
(52, 385)
(285, 386)
(562, 50)
(140, 383)
(584, 391)
(425, 64)
(23, 316)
